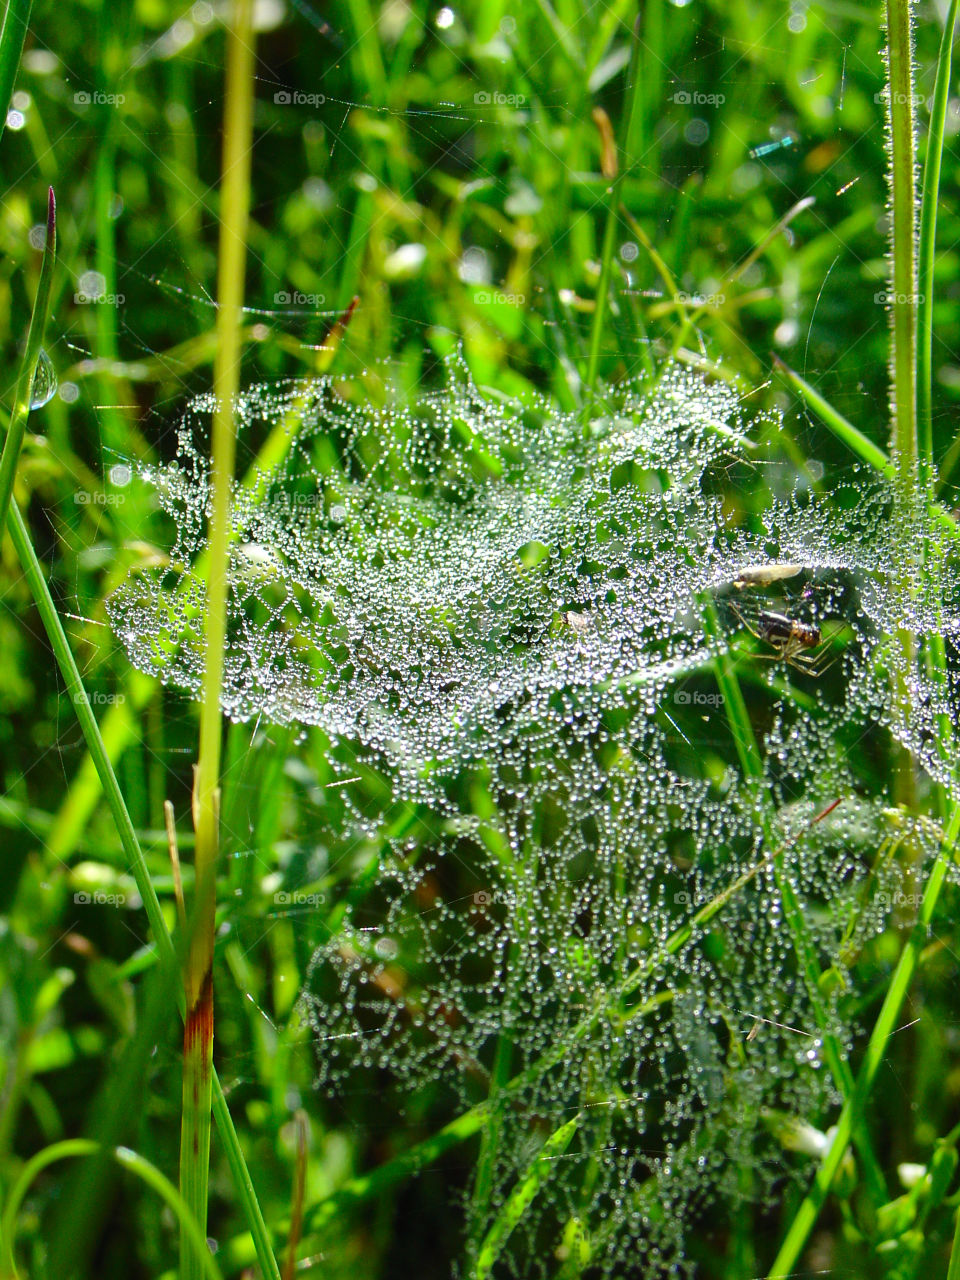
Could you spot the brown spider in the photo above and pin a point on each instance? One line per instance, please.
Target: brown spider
(798, 644)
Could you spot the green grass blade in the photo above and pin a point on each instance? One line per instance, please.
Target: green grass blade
(16, 20)
(953, 1270)
(630, 110)
(198, 1028)
(841, 427)
(28, 364)
(127, 1159)
(902, 155)
(522, 1197)
(928, 240)
(33, 574)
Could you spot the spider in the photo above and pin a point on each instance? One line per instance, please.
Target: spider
(581, 624)
(798, 644)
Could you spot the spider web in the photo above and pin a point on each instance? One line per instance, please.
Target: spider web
(468, 587)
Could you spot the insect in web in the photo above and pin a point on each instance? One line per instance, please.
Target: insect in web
(798, 644)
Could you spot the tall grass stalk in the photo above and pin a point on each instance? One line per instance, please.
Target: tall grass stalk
(23, 396)
(903, 193)
(904, 449)
(198, 975)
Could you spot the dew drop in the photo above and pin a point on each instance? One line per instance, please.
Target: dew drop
(44, 385)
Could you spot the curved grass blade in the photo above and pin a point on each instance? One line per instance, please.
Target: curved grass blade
(127, 1159)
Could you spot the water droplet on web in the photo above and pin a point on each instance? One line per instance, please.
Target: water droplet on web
(44, 385)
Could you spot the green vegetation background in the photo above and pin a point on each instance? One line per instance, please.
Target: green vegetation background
(471, 135)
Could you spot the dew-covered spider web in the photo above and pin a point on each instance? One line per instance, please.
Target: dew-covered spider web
(517, 621)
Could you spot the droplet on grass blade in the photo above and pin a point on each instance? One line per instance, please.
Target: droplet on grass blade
(44, 385)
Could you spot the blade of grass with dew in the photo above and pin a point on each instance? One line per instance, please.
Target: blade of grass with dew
(16, 20)
(198, 977)
(904, 452)
(127, 1159)
(928, 241)
(522, 1195)
(23, 396)
(902, 170)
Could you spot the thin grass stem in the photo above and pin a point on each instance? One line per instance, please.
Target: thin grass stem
(198, 976)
